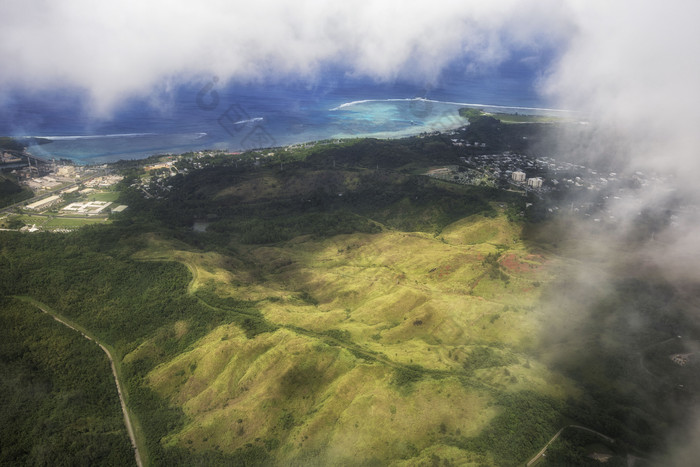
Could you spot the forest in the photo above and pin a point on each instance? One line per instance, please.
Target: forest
(11, 192)
(57, 395)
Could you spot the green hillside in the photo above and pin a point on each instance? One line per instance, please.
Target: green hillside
(339, 309)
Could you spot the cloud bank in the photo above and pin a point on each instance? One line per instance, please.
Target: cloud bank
(630, 65)
(634, 67)
(113, 50)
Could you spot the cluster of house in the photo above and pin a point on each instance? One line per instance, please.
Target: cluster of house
(66, 178)
(681, 359)
(543, 175)
(104, 181)
(43, 183)
(160, 165)
(463, 143)
(509, 168)
(50, 175)
(158, 184)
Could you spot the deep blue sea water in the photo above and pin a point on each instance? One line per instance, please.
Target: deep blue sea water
(211, 114)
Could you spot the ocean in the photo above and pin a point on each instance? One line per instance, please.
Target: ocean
(211, 114)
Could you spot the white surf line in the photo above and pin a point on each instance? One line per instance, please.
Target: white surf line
(74, 137)
(127, 420)
(466, 104)
(250, 120)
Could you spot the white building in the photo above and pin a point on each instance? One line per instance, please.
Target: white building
(518, 176)
(89, 208)
(44, 203)
(535, 182)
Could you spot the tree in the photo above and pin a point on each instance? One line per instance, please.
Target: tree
(15, 223)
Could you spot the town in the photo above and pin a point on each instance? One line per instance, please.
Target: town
(62, 196)
(561, 186)
(67, 196)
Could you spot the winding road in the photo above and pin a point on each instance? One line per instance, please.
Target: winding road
(127, 418)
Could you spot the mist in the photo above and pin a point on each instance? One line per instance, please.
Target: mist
(632, 70)
(633, 66)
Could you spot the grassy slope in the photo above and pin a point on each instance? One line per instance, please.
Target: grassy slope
(396, 345)
(354, 310)
(385, 347)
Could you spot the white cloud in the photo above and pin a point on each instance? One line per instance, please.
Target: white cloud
(634, 66)
(630, 64)
(118, 49)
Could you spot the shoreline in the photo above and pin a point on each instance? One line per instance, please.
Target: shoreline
(441, 122)
(461, 104)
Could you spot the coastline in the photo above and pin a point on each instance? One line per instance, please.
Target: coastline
(461, 104)
(390, 118)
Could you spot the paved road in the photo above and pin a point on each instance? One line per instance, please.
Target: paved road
(127, 419)
(554, 438)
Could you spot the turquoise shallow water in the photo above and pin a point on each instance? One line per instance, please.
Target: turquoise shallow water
(213, 115)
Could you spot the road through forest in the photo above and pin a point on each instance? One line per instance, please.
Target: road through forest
(127, 418)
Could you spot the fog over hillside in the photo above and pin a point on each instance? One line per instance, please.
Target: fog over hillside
(633, 70)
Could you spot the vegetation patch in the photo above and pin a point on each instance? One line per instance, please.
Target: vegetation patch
(407, 375)
(486, 357)
(536, 417)
(11, 192)
(243, 313)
